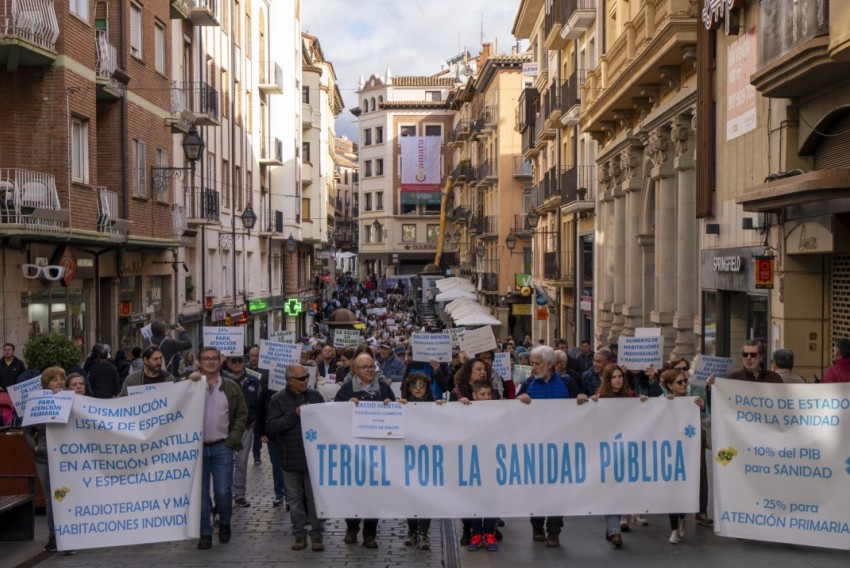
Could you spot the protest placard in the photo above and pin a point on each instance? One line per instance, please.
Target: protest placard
(147, 332)
(372, 419)
(644, 349)
(707, 365)
(228, 340)
(475, 341)
(502, 364)
(45, 407)
(376, 311)
(431, 347)
(128, 470)
(283, 336)
(139, 389)
(347, 337)
(21, 391)
(276, 356)
(524, 369)
(456, 332)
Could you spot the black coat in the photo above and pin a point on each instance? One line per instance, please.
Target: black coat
(284, 424)
(9, 373)
(104, 381)
(346, 393)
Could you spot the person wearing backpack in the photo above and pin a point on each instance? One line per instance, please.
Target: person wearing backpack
(170, 348)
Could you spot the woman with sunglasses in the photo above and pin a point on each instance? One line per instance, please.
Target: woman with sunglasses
(417, 388)
(674, 381)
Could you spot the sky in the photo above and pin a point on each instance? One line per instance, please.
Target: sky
(412, 37)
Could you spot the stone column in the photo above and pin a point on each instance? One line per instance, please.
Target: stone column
(686, 237)
(604, 283)
(665, 234)
(619, 237)
(630, 161)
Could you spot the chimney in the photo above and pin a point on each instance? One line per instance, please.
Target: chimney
(486, 52)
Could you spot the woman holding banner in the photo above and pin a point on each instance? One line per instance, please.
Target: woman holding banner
(474, 370)
(35, 436)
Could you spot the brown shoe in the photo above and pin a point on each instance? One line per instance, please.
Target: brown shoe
(300, 543)
(317, 544)
(350, 537)
(369, 542)
(552, 541)
(538, 536)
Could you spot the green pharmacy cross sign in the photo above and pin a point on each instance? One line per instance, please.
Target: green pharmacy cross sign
(293, 307)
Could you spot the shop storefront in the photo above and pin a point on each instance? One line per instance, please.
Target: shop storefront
(733, 308)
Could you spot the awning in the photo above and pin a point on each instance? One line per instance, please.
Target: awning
(477, 319)
(454, 294)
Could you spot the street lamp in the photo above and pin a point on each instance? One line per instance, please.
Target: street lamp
(480, 251)
(533, 218)
(249, 218)
(510, 242)
(290, 244)
(193, 147)
(457, 235)
(377, 226)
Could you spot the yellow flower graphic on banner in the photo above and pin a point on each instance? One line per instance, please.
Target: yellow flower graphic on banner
(725, 456)
(60, 493)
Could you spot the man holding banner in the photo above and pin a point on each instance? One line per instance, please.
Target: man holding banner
(225, 420)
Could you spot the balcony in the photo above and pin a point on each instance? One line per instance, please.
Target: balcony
(205, 207)
(181, 119)
(29, 200)
(521, 228)
(180, 9)
(529, 104)
(459, 133)
(106, 64)
(489, 118)
(544, 128)
(310, 117)
(306, 174)
(489, 282)
(578, 189)
(552, 100)
(484, 172)
(580, 16)
(271, 152)
(795, 58)
(550, 266)
(529, 141)
(205, 12)
(523, 168)
(108, 221)
(553, 22)
(203, 103)
(489, 226)
(462, 173)
(570, 100)
(28, 33)
(276, 86)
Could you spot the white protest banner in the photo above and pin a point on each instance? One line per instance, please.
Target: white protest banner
(502, 364)
(431, 347)
(390, 321)
(376, 311)
(371, 419)
(313, 372)
(283, 336)
(615, 456)
(347, 337)
(707, 365)
(781, 462)
(139, 389)
(276, 356)
(147, 332)
(228, 340)
(21, 391)
(475, 341)
(456, 332)
(644, 349)
(128, 470)
(525, 370)
(45, 407)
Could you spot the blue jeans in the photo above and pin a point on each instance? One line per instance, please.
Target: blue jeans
(302, 507)
(218, 465)
(482, 526)
(277, 473)
(257, 447)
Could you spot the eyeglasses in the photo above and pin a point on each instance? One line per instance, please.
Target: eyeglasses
(418, 386)
(302, 379)
(749, 354)
(50, 272)
(681, 382)
(210, 359)
(681, 368)
(237, 361)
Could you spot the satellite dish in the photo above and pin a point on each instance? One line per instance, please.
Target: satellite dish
(467, 70)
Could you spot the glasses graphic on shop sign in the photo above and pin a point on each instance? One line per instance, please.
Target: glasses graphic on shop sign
(50, 272)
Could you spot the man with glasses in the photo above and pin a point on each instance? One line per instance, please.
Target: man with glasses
(225, 421)
(150, 373)
(252, 391)
(284, 423)
(364, 386)
(752, 354)
(11, 368)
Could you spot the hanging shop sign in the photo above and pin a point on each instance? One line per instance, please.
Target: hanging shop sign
(293, 307)
(764, 272)
(541, 314)
(125, 308)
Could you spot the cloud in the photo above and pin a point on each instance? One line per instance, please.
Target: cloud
(412, 37)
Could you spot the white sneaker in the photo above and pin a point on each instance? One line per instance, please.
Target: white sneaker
(640, 520)
(674, 537)
(681, 528)
(624, 523)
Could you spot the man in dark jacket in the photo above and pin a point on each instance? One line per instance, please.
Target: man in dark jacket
(363, 386)
(170, 347)
(251, 391)
(103, 376)
(10, 367)
(284, 422)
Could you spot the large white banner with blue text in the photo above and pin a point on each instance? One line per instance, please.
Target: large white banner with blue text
(128, 470)
(508, 459)
(782, 462)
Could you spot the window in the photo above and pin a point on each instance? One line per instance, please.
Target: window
(365, 105)
(432, 233)
(161, 161)
(433, 96)
(136, 30)
(305, 95)
(368, 206)
(379, 167)
(225, 182)
(237, 187)
(305, 152)
(368, 233)
(434, 130)
(159, 47)
(211, 171)
(80, 8)
(379, 135)
(373, 103)
(225, 93)
(80, 150)
(379, 201)
(379, 234)
(407, 130)
(367, 137)
(408, 233)
(139, 167)
(368, 167)
(305, 210)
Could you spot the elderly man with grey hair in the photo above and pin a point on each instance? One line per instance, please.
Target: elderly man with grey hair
(782, 362)
(592, 378)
